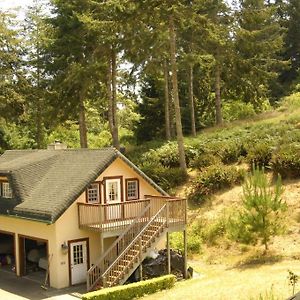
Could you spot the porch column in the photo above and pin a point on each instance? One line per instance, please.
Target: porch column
(168, 253)
(185, 253)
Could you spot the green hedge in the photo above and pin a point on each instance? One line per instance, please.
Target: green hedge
(133, 290)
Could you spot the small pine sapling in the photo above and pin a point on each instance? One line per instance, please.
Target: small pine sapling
(263, 206)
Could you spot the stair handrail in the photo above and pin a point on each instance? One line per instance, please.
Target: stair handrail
(105, 254)
(135, 239)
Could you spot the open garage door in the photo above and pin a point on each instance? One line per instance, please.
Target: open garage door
(7, 251)
(33, 253)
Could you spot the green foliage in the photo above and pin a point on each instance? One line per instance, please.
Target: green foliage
(286, 161)
(237, 110)
(263, 206)
(204, 160)
(259, 154)
(167, 155)
(212, 179)
(291, 102)
(166, 178)
(194, 242)
(293, 279)
(133, 290)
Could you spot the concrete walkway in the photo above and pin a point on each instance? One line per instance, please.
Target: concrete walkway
(21, 288)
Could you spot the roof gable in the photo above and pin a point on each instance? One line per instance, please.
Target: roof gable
(47, 182)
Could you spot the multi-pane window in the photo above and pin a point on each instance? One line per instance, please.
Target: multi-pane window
(113, 191)
(77, 254)
(93, 195)
(132, 189)
(5, 190)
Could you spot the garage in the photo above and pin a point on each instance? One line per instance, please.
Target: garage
(7, 251)
(33, 253)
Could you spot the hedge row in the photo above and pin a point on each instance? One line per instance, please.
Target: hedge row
(133, 290)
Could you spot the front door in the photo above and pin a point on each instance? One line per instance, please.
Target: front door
(78, 261)
(113, 197)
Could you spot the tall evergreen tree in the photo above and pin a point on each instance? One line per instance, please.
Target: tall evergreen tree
(259, 39)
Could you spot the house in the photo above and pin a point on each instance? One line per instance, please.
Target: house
(85, 215)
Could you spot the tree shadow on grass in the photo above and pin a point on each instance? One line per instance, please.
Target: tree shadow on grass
(259, 259)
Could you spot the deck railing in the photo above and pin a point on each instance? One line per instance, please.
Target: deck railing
(107, 217)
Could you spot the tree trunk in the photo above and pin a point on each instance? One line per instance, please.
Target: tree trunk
(175, 95)
(39, 123)
(112, 101)
(191, 96)
(219, 119)
(172, 116)
(115, 133)
(82, 123)
(167, 100)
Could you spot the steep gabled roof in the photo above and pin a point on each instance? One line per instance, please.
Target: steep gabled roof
(46, 182)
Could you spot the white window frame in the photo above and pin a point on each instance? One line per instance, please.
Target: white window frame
(6, 191)
(116, 181)
(92, 188)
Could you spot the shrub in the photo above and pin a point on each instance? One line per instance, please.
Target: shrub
(166, 178)
(286, 161)
(167, 155)
(227, 150)
(291, 102)
(259, 154)
(237, 110)
(205, 160)
(133, 290)
(213, 179)
(194, 242)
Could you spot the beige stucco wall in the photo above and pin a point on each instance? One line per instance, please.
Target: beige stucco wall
(31, 229)
(66, 227)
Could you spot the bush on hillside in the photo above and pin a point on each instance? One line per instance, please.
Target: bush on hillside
(205, 160)
(237, 110)
(166, 178)
(286, 161)
(168, 156)
(228, 150)
(212, 179)
(259, 154)
(291, 102)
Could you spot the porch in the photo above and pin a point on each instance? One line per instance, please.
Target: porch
(112, 219)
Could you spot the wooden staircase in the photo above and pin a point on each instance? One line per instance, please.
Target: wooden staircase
(116, 265)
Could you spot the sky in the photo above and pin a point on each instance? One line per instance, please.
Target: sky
(6, 4)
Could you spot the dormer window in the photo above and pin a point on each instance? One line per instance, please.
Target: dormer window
(5, 190)
(93, 193)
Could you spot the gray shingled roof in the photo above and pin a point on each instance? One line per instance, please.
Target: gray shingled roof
(46, 182)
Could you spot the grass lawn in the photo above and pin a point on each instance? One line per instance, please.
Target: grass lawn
(248, 282)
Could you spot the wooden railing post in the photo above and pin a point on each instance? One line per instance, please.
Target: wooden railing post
(167, 217)
(141, 258)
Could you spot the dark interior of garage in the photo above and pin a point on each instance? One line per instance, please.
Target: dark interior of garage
(7, 253)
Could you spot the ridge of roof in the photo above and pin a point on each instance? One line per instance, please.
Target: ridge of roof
(58, 184)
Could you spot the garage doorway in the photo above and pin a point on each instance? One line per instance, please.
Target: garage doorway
(33, 253)
(7, 251)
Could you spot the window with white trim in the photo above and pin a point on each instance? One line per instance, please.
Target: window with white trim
(93, 193)
(132, 189)
(5, 190)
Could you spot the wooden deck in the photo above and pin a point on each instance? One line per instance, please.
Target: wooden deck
(116, 217)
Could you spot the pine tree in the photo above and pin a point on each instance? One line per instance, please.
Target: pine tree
(259, 39)
(263, 206)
